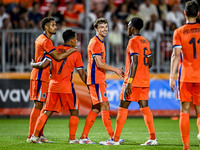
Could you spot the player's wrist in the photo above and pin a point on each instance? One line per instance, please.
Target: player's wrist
(130, 80)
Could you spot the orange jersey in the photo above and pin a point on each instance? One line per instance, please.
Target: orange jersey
(187, 38)
(43, 47)
(62, 71)
(138, 45)
(95, 75)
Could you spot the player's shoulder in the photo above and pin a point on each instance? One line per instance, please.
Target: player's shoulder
(59, 46)
(143, 40)
(180, 29)
(135, 39)
(41, 38)
(187, 27)
(76, 54)
(93, 40)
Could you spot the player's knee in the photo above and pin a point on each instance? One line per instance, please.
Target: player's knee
(143, 103)
(48, 113)
(96, 108)
(38, 105)
(185, 107)
(124, 104)
(105, 106)
(74, 112)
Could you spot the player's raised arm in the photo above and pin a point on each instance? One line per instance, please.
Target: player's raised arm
(41, 64)
(107, 67)
(133, 68)
(60, 56)
(174, 64)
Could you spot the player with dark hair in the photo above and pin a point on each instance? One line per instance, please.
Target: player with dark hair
(186, 46)
(136, 83)
(39, 79)
(61, 92)
(96, 81)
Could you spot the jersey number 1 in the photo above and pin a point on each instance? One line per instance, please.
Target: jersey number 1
(193, 41)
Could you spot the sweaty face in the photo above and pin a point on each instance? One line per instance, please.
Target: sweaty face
(52, 27)
(102, 29)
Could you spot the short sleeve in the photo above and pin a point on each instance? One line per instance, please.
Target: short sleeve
(177, 39)
(95, 48)
(133, 47)
(79, 62)
(48, 46)
(48, 57)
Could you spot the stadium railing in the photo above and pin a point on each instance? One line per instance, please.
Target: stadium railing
(17, 48)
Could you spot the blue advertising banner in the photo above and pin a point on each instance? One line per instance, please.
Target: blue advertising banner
(160, 95)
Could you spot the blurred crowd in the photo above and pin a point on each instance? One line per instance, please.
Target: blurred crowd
(158, 15)
(161, 18)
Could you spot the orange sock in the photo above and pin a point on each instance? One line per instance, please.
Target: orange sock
(120, 121)
(42, 111)
(40, 124)
(73, 125)
(184, 124)
(148, 119)
(33, 118)
(88, 123)
(107, 122)
(198, 122)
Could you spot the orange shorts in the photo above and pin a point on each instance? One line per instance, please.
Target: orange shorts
(38, 90)
(138, 93)
(98, 93)
(55, 101)
(189, 92)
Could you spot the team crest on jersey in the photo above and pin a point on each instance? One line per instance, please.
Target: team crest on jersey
(44, 95)
(105, 94)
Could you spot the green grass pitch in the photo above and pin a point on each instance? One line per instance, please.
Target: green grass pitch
(13, 134)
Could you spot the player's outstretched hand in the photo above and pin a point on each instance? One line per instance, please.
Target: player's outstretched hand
(172, 84)
(119, 72)
(128, 91)
(32, 61)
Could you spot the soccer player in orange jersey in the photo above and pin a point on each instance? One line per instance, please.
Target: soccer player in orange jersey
(61, 92)
(40, 77)
(96, 80)
(136, 82)
(186, 46)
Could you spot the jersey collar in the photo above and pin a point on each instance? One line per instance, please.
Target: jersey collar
(192, 23)
(99, 39)
(137, 35)
(134, 35)
(45, 34)
(67, 45)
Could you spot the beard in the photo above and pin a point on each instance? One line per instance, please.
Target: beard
(52, 33)
(104, 35)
